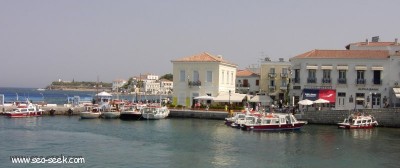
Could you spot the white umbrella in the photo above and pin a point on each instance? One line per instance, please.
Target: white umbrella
(261, 98)
(204, 98)
(306, 102)
(321, 101)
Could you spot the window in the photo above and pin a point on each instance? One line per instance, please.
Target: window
(311, 76)
(360, 77)
(231, 78)
(209, 76)
(342, 77)
(223, 77)
(227, 77)
(196, 76)
(182, 76)
(284, 83)
(341, 94)
(326, 76)
(272, 70)
(272, 83)
(284, 70)
(297, 76)
(257, 82)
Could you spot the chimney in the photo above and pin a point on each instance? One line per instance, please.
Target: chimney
(219, 56)
(366, 41)
(280, 59)
(395, 41)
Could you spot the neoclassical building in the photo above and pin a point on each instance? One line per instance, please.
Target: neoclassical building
(200, 75)
(365, 75)
(274, 78)
(247, 82)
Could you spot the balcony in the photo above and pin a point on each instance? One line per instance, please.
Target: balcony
(296, 80)
(377, 81)
(311, 80)
(194, 83)
(271, 86)
(360, 81)
(283, 87)
(284, 75)
(342, 81)
(326, 80)
(272, 75)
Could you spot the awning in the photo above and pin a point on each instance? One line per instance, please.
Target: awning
(377, 68)
(397, 92)
(234, 97)
(326, 67)
(342, 67)
(360, 98)
(104, 94)
(261, 98)
(312, 67)
(206, 97)
(364, 68)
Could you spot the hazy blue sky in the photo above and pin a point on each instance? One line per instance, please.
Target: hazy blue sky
(44, 40)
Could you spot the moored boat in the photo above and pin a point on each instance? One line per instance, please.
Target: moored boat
(155, 112)
(132, 112)
(29, 110)
(90, 113)
(273, 121)
(114, 110)
(357, 121)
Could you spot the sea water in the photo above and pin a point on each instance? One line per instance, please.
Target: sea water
(183, 143)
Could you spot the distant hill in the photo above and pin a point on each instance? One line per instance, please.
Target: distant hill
(79, 86)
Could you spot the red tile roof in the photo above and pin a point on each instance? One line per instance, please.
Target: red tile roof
(203, 57)
(374, 44)
(245, 72)
(344, 54)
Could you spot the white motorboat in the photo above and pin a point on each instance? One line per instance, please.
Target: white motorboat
(358, 121)
(90, 113)
(155, 112)
(273, 121)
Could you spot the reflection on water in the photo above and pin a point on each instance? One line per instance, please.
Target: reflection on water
(361, 134)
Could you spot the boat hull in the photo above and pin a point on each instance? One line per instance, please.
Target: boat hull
(296, 126)
(111, 115)
(130, 116)
(89, 115)
(347, 126)
(24, 115)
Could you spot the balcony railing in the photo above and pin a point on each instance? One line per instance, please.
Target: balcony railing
(342, 81)
(283, 87)
(272, 75)
(271, 86)
(377, 81)
(360, 81)
(326, 80)
(296, 80)
(284, 75)
(194, 83)
(311, 80)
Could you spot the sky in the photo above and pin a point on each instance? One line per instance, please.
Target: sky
(45, 40)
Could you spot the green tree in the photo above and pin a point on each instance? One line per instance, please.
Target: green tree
(167, 76)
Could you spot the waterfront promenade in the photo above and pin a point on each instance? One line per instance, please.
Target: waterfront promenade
(386, 117)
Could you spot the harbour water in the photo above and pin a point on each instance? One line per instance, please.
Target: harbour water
(183, 143)
(60, 97)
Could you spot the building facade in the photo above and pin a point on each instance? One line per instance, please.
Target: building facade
(247, 82)
(200, 75)
(274, 79)
(117, 84)
(166, 86)
(363, 76)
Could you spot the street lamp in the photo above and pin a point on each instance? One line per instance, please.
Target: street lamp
(229, 108)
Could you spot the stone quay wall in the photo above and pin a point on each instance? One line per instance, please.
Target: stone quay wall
(386, 117)
(215, 115)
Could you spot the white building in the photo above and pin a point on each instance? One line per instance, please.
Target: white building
(200, 75)
(247, 82)
(166, 86)
(117, 84)
(364, 76)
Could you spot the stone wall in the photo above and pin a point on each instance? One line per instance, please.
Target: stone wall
(389, 117)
